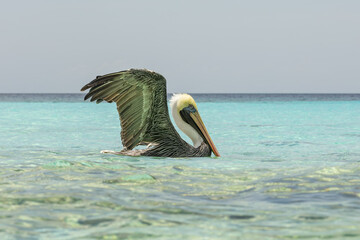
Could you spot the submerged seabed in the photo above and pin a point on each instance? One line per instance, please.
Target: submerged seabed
(289, 169)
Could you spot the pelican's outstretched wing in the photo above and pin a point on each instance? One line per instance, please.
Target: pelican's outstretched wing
(140, 96)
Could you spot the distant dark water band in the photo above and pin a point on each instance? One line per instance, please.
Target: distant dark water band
(199, 97)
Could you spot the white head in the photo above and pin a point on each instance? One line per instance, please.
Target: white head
(187, 118)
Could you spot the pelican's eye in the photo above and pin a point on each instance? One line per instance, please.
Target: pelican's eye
(189, 109)
(185, 114)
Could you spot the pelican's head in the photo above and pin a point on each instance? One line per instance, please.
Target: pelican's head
(187, 118)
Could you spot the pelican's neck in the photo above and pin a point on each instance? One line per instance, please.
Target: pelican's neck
(185, 127)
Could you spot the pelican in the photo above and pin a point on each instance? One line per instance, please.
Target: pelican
(141, 101)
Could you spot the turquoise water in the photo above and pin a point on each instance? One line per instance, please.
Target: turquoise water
(289, 169)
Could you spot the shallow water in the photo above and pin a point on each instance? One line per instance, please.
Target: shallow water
(289, 169)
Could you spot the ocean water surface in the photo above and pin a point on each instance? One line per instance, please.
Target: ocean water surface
(289, 169)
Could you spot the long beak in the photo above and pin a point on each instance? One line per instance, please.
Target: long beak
(198, 121)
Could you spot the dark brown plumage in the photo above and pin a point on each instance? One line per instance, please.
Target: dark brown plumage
(141, 99)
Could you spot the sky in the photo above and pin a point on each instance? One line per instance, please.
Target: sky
(302, 46)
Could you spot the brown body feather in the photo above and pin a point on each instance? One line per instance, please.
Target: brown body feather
(141, 100)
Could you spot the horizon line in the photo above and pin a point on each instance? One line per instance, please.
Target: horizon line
(80, 93)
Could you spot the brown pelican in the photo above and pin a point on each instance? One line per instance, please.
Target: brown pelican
(140, 97)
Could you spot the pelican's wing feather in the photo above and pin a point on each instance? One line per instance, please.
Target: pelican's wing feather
(140, 96)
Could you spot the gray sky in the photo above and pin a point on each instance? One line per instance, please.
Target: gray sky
(199, 46)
